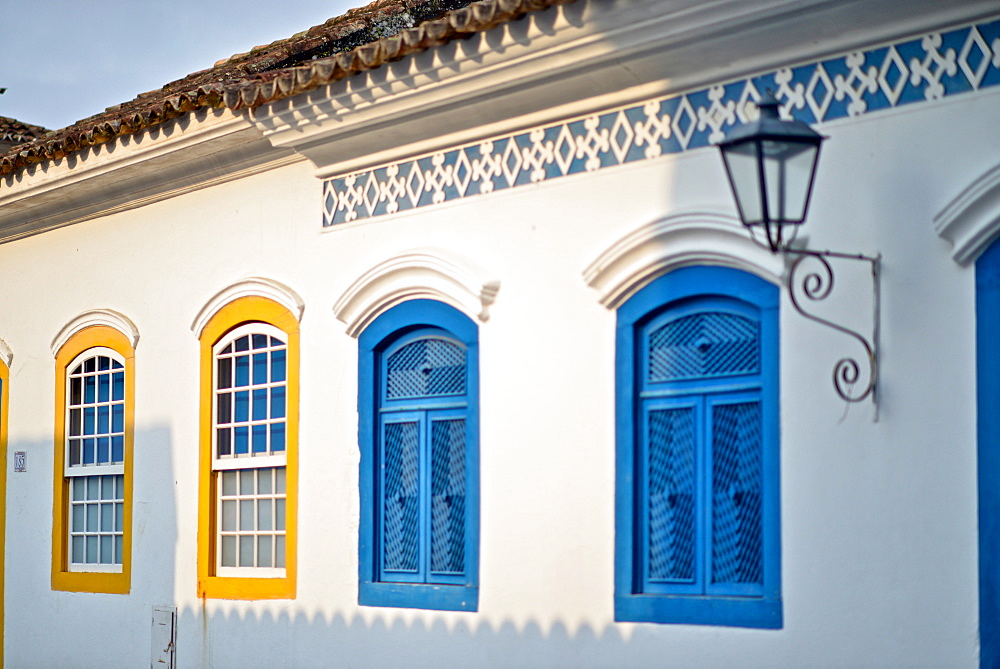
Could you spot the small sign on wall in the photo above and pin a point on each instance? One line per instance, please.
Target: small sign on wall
(20, 461)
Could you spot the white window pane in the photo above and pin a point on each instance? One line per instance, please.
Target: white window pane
(264, 481)
(279, 551)
(119, 517)
(92, 518)
(229, 516)
(247, 486)
(229, 551)
(279, 480)
(78, 549)
(279, 515)
(91, 550)
(229, 483)
(264, 551)
(264, 515)
(118, 549)
(246, 551)
(246, 516)
(107, 517)
(106, 552)
(77, 519)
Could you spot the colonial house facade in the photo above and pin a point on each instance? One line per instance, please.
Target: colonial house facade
(432, 336)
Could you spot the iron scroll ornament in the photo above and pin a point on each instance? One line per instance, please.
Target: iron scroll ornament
(817, 285)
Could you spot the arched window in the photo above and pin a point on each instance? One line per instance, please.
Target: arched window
(249, 435)
(697, 512)
(418, 406)
(95, 391)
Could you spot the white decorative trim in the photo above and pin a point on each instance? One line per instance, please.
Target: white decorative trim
(6, 355)
(420, 273)
(972, 220)
(677, 240)
(107, 317)
(253, 286)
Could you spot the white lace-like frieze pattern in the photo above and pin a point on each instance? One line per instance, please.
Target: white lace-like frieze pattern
(934, 66)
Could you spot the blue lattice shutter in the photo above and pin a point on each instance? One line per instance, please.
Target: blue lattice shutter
(703, 345)
(400, 502)
(737, 527)
(448, 496)
(671, 495)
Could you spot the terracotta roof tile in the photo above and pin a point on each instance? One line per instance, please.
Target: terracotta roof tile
(362, 39)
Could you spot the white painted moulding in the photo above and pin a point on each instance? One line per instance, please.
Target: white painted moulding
(674, 241)
(6, 355)
(418, 274)
(250, 287)
(94, 317)
(972, 219)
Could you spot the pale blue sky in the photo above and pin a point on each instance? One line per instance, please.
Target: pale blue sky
(64, 60)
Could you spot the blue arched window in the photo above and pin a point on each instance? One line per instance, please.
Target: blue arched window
(697, 514)
(419, 433)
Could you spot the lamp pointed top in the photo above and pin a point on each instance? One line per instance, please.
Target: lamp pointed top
(769, 106)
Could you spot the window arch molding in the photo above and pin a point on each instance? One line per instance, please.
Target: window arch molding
(269, 289)
(702, 238)
(971, 221)
(431, 274)
(97, 317)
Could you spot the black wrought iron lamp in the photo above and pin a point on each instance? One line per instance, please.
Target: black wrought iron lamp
(771, 164)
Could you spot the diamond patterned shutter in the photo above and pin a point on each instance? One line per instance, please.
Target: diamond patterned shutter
(426, 368)
(400, 496)
(448, 496)
(671, 481)
(701, 345)
(737, 531)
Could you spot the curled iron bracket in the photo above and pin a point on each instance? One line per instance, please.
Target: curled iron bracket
(817, 285)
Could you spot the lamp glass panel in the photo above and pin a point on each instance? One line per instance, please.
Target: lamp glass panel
(788, 169)
(744, 174)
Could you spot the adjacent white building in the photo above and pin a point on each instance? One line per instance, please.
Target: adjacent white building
(440, 342)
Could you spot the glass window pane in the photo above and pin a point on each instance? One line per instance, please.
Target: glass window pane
(79, 488)
(119, 518)
(243, 343)
(88, 420)
(91, 550)
(118, 449)
(118, 549)
(264, 551)
(75, 423)
(264, 515)
(242, 446)
(279, 480)
(108, 517)
(229, 516)
(223, 441)
(279, 514)
(74, 391)
(89, 451)
(264, 481)
(118, 418)
(242, 370)
(103, 420)
(103, 450)
(242, 406)
(278, 402)
(259, 341)
(107, 487)
(107, 553)
(229, 483)
(104, 388)
(277, 437)
(77, 525)
(118, 386)
(260, 404)
(92, 518)
(229, 551)
(277, 366)
(89, 390)
(93, 486)
(224, 373)
(78, 549)
(246, 515)
(224, 408)
(247, 481)
(88, 365)
(103, 362)
(75, 451)
(260, 367)
(279, 551)
(260, 438)
(120, 486)
(246, 551)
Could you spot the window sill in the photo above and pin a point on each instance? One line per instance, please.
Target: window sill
(230, 587)
(419, 596)
(111, 583)
(754, 612)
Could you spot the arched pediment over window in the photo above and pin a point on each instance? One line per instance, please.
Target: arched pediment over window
(972, 219)
(254, 286)
(87, 319)
(418, 274)
(674, 241)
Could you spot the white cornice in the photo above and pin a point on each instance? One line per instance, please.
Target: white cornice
(972, 219)
(678, 240)
(422, 273)
(574, 60)
(87, 319)
(253, 286)
(6, 355)
(189, 153)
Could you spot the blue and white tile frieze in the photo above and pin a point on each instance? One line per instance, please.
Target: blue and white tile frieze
(931, 67)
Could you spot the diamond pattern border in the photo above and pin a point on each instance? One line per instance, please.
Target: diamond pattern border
(929, 67)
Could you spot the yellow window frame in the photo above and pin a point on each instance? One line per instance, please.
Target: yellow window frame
(118, 583)
(250, 309)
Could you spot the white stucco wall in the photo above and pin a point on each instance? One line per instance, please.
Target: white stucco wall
(878, 519)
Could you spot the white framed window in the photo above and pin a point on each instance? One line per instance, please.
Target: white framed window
(249, 447)
(94, 460)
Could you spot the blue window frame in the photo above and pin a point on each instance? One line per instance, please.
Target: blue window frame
(697, 509)
(988, 430)
(418, 406)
